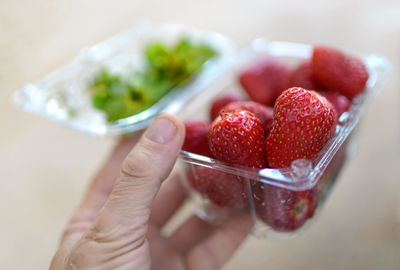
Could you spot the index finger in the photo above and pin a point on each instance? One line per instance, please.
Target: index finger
(103, 182)
(101, 186)
(97, 193)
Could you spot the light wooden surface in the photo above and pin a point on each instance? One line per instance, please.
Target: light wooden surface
(45, 167)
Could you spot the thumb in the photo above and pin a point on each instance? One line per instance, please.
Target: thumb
(127, 210)
(118, 235)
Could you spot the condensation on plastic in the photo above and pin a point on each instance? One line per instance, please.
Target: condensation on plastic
(62, 95)
(320, 172)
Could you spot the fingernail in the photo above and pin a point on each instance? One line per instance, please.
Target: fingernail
(161, 130)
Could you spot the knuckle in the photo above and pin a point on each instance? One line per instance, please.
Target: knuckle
(138, 164)
(79, 258)
(100, 246)
(93, 242)
(75, 229)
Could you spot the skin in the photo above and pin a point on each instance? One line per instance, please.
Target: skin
(119, 221)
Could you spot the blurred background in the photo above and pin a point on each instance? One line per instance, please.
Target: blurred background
(45, 167)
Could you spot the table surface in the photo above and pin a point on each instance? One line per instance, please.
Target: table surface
(46, 167)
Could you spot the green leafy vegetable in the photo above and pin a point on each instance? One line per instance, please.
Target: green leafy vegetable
(166, 68)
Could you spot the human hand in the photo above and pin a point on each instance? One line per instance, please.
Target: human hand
(118, 224)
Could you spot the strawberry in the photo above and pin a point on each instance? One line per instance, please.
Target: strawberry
(238, 138)
(221, 188)
(302, 76)
(337, 71)
(196, 137)
(303, 123)
(339, 102)
(221, 101)
(263, 113)
(284, 209)
(265, 80)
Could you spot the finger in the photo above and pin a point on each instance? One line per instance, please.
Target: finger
(118, 233)
(168, 200)
(102, 184)
(95, 197)
(220, 245)
(104, 181)
(191, 232)
(143, 170)
(97, 193)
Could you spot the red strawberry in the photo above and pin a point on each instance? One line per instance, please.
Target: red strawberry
(263, 113)
(337, 71)
(221, 188)
(339, 102)
(303, 123)
(221, 101)
(238, 138)
(302, 77)
(265, 81)
(196, 140)
(284, 209)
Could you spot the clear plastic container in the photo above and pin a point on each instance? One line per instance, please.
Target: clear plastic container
(62, 95)
(270, 198)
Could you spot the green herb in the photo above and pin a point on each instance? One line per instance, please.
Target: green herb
(166, 69)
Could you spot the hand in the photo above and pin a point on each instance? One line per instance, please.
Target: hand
(118, 225)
